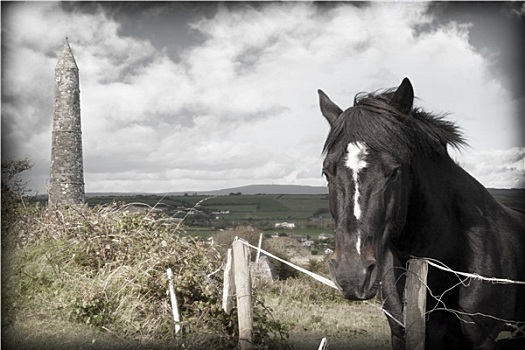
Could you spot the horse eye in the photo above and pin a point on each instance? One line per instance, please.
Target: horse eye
(326, 175)
(329, 172)
(395, 174)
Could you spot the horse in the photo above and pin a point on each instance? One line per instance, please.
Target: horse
(395, 193)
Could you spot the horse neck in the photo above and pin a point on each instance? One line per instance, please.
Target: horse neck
(444, 200)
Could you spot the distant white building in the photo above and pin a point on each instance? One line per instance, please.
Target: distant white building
(221, 212)
(194, 211)
(285, 225)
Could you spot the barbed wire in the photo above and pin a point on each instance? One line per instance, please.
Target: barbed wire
(319, 278)
(439, 265)
(464, 280)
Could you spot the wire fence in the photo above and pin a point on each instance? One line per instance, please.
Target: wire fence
(517, 326)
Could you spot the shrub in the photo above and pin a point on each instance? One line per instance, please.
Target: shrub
(14, 202)
(106, 267)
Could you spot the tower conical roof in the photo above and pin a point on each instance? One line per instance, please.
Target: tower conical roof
(66, 59)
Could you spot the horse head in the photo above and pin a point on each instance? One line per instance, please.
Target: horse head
(367, 170)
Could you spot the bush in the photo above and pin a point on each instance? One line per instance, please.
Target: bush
(106, 267)
(13, 191)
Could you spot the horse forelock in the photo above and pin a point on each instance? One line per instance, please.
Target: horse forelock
(374, 122)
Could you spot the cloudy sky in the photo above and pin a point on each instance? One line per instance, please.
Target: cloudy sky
(182, 96)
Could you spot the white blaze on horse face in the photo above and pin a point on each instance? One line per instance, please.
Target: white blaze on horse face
(356, 161)
(358, 242)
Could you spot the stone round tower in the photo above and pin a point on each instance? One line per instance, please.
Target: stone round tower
(66, 183)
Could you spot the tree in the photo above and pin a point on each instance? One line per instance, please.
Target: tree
(13, 187)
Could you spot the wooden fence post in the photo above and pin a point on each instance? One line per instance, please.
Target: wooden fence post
(173, 298)
(243, 286)
(415, 304)
(323, 345)
(229, 284)
(259, 249)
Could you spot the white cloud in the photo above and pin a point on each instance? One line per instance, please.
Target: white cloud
(241, 106)
(496, 168)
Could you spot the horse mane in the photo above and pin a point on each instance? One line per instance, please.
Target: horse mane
(373, 121)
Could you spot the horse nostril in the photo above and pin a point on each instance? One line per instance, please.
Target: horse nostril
(370, 276)
(370, 269)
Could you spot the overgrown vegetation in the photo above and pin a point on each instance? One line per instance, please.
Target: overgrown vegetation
(105, 267)
(13, 189)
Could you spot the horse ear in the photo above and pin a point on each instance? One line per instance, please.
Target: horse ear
(403, 97)
(329, 109)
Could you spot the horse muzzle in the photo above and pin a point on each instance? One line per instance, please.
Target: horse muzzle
(357, 280)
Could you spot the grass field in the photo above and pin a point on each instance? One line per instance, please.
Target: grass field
(346, 325)
(320, 313)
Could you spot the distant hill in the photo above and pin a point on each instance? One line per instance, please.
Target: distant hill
(513, 198)
(245, 190)
(268, 189)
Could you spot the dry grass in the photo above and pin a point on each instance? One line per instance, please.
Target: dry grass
(346, 325)
(95, 279)
(314, 311)
(105, 268)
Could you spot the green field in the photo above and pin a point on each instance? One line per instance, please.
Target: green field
(259, 206)
(204, 215)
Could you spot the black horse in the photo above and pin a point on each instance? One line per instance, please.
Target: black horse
(395, 193)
